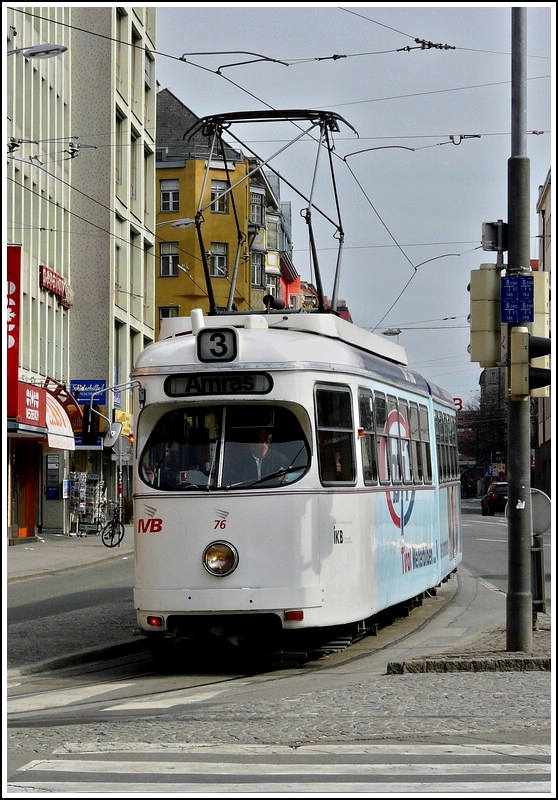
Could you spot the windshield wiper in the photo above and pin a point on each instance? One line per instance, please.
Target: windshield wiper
(248, 484)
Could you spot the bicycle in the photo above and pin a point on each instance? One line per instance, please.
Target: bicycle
(113, 530)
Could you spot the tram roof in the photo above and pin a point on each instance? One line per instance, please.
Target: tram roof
(321, 324)
(379, 355)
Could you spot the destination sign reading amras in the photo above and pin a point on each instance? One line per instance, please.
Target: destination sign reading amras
(218, 383)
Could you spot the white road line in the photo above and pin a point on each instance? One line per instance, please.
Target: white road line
(218, 769)
(60, 697)
(465, 789)
(271, 767)
(179, 697)
(498, 541)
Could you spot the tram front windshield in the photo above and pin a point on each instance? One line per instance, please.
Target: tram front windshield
(224, 447)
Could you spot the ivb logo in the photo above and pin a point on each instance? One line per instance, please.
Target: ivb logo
(154, 525)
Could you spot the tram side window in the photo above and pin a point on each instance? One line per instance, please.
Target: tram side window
(454, 448)
(416, 450)
(335, 434)
(407, 467)
(380, 413)
(439, 449)
(425, 444)
(442, 445)
(447, 446)
(394, 442)
(368, 440)
(446, 443)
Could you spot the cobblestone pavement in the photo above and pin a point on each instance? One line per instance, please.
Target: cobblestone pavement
(354, 697)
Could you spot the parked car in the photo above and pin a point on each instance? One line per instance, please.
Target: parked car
(495, 498)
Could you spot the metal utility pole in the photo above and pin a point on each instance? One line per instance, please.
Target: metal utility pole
(519, 601)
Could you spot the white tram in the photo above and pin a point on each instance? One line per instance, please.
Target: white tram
(353, 508)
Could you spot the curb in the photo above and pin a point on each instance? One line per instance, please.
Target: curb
(512, 664)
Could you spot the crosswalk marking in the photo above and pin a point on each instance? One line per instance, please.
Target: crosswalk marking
(220, 789)
(180, 697)
(271, 767)
(132, 767)
(54, 699)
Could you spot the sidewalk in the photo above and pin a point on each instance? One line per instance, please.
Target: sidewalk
(470, 634)
(54, 552)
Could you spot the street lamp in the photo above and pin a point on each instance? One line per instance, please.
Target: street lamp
(178, 223)
(392, 332)
(39, 51)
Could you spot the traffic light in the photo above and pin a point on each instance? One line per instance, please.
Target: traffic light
(485, 321)
(524, 378)
(90, 425)
(495, 236)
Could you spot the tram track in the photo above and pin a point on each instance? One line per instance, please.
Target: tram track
(309, 647)
(297, 649)
(156, 683)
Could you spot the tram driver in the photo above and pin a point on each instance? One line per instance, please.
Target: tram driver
(253, 459)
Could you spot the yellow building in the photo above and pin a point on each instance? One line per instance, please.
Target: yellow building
(182, 190)
(240, 246)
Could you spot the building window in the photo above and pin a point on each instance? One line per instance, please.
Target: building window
(135, 153)
(272, 285)
(256, 208)
(169, 195)
(135, 65)
(118, 166)
(258, 270)
(272, 236)
(218, 260)
(219, 200)
(166, 312)
(168, 260)
(148, 70)
(120, 42)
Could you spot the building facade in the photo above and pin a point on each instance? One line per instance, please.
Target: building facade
(80, 224)
(37, 224)
(113, 222)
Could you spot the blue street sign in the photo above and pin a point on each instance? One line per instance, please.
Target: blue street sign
(85, 390)
(517, 299)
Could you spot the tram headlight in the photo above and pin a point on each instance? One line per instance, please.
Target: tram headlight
(220, 558)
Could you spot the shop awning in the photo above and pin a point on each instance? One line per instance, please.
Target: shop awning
(59, 428)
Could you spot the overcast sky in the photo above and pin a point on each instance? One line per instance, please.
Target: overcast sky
(449, 99)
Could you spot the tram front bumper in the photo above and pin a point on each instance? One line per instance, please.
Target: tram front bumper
(173, 602)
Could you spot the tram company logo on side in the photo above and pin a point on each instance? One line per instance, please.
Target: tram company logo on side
(150, 523)
(400, 502)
